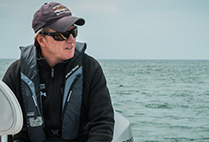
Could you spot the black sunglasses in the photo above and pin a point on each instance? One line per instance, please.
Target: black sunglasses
(60, 36)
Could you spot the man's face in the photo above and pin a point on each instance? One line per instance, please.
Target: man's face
(58, 51)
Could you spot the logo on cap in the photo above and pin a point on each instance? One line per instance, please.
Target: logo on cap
(60, 9)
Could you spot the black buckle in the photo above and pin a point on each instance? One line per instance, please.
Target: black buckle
(55, 132)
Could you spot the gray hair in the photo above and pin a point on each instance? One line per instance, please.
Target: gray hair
(40, 31)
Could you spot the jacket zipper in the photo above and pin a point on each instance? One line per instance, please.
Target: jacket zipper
(70, 93)
(35, 101)
(52, 73)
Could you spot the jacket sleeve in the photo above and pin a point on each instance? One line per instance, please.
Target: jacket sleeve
(100, 110)
(12, 78)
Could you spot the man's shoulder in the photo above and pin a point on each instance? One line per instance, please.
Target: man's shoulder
(14, 68)
(12, 74)
(92, 66)
(90, 61)
(15, 65)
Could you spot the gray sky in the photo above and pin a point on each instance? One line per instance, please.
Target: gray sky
(119, 29)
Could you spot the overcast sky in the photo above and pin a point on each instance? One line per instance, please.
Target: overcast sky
(119, 29)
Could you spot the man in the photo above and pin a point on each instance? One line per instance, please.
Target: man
(62, 90)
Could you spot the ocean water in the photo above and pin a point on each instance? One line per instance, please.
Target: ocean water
(164, 100)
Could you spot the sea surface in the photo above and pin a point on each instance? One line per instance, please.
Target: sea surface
(164, 100)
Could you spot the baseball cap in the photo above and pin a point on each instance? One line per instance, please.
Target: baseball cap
(55, 16)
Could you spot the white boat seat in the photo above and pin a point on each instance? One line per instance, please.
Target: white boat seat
(11, 118)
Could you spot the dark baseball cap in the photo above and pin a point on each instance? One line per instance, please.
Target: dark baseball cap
(55, 16)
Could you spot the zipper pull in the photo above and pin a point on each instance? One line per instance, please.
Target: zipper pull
(68, 98)
(52, 73)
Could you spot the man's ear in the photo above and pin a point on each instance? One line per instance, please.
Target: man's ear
(41, 40)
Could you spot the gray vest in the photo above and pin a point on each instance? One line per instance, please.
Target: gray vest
(72, 98)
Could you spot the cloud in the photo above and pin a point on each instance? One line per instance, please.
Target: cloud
(101, 8)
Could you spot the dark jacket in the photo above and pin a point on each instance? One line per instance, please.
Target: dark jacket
(97, 118)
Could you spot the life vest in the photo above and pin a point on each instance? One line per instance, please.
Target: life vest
(32, 102)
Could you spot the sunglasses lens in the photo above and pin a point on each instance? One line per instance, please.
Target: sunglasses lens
(65, 35)
(59, 37)
(75, 32)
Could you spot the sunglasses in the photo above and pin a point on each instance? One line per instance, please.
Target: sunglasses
(61, 36)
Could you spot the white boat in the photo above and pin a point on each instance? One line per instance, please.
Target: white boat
(11, 120)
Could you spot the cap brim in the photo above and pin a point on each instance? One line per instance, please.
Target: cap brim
(65, 23)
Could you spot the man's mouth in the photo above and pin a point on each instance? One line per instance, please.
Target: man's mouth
(69, 48)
